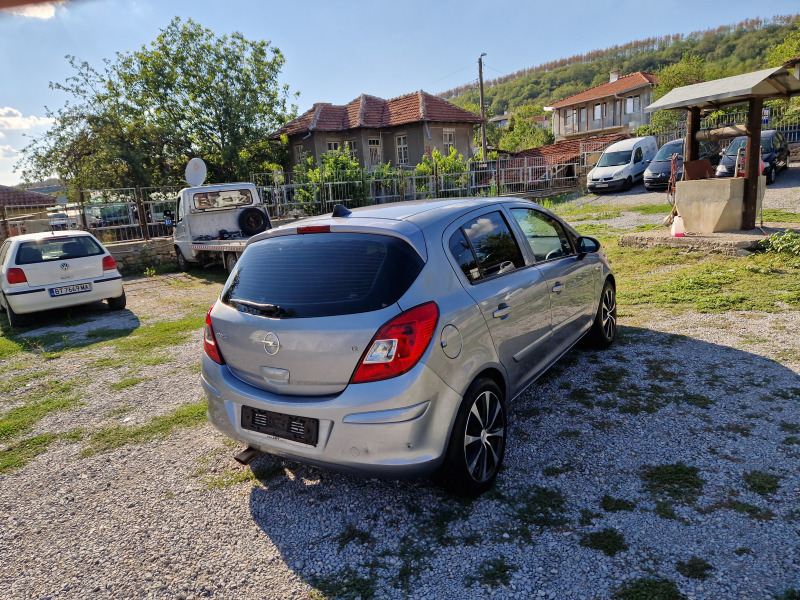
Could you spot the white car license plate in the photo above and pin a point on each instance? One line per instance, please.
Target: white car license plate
(71, 289)
(601, 185)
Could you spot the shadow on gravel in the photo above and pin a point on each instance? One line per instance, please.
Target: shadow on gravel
(592, 447)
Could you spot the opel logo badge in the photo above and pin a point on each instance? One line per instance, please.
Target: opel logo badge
(65, 266)
(271, 344)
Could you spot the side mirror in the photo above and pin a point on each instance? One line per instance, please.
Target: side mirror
(587, 245)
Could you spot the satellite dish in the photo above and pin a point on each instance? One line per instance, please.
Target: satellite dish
(196, 172)
(61, 199)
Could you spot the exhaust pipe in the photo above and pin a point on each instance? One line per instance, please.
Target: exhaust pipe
(247, 455)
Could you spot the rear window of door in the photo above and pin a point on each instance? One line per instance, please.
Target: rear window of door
(323, 274)
(485, 247)
(546, 236)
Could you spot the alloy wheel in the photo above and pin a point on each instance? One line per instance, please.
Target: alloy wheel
(608, 314)
(484, 437)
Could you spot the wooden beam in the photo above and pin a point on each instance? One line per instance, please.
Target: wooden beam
(752, 164)
(692, 127)
(712, 135)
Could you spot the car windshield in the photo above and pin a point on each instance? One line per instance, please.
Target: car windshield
(322, 275)
(766, 145)
(667, 151)
(57, 248)
(614, 159)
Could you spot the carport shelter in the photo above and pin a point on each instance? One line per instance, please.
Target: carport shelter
(751, 89)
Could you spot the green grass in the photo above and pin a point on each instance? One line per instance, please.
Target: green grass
(778, 215)
(646, 588)
(608, 540)
(126, 383)
(493, 572)
(52, 397)
(353, 534)
(17, 383)
(540, 507)
(762, 483)
(611, 504)
(678, 481)
(347, 585)
(694, 568)
(19, 454)
(109, 438)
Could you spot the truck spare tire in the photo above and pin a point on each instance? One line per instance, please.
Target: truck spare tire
(252, 221)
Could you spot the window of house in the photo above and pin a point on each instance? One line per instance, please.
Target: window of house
(449, 140)
(333, 146)
(402, 149)
(631, 105)
(352, 145)
(568, 119)
(298, 153)
(374, 151)
(597, 112)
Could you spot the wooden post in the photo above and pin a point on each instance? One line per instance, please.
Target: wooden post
(4, 229)
(142, 211)
(83, 210)
(692, 127)
(752, 159)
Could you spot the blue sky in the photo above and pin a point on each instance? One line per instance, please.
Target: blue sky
(335, 50)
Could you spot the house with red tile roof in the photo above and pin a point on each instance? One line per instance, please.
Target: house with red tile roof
(15, 197)
(399, 131)
(616, 106)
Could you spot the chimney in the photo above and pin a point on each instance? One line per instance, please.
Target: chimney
(614, 75)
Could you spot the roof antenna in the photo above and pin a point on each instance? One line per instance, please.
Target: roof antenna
(341, 211)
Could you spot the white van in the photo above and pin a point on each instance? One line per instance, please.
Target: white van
(622, 164)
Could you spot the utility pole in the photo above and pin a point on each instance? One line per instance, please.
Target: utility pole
(483, 112)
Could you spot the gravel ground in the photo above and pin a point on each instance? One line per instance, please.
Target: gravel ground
(177, 518)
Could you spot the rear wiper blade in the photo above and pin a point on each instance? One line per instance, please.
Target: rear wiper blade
(271, 310)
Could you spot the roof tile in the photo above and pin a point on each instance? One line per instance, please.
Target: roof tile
(13, 197)
(609, 88)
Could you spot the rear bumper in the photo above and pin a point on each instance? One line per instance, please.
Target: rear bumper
(415, 413)
(30, 299)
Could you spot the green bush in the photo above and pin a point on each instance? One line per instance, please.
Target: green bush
(788, 242)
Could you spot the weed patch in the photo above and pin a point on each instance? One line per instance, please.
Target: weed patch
(347, 585)
(694, 568)
(608, 540)
(678, 481)
(108, 438)
(126, 383)
(56, 396)
(646, 588)
(493, 572)
(353, 534)
(761, 482)
(610, 504)
(540, 507)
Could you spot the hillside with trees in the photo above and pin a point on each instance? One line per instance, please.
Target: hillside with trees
(724, 51)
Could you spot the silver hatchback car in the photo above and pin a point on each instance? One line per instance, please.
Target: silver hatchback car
(385, 341)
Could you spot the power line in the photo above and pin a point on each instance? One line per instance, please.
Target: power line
(469, 66)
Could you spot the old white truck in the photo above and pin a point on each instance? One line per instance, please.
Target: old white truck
(212, 223)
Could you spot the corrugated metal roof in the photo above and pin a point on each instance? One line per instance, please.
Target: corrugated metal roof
(776, 82)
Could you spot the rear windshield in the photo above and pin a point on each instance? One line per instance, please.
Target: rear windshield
(222, 199)
(321, 275)
(58, 248)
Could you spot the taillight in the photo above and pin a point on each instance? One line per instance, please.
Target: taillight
(209, 343)
(399, 344)
(15, 275)
(109, 264)
(314, 229)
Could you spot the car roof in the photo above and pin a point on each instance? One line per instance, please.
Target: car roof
(628, 144)
(764, 134)
(43, 235)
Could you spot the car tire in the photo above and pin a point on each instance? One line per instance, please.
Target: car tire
(230, 261)
(771, 175)
(118, 303)
(478, 440)
(14, 320)
(628, 184)
(604, 328)
(183, 264)
(252, 221)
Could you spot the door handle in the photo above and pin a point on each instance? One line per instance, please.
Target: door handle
(558, 288)
(502, 311)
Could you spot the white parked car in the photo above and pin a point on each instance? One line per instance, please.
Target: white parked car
(43, 271)
(622, 164)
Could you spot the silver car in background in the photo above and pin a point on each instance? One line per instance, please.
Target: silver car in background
(386, 341)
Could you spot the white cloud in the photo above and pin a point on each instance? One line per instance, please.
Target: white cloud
(11, 118)
(2, 135)
(43, 10)
(8, 152)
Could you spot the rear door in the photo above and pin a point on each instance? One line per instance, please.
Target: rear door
(571, 280)
(511, 292)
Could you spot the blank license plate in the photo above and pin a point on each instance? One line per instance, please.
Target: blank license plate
(71, 289)
(600, 185)
(287, 427)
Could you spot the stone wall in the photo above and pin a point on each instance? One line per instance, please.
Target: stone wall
(135, 257)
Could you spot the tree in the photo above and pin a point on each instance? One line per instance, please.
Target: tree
(788, 49)
(523, 132)
(690, 70)
(139, 120)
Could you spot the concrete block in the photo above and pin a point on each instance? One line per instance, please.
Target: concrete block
(711, 205)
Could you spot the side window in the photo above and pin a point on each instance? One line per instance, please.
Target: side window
(546, 236)
(485, 247)
(637, 158)
(179, 211)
